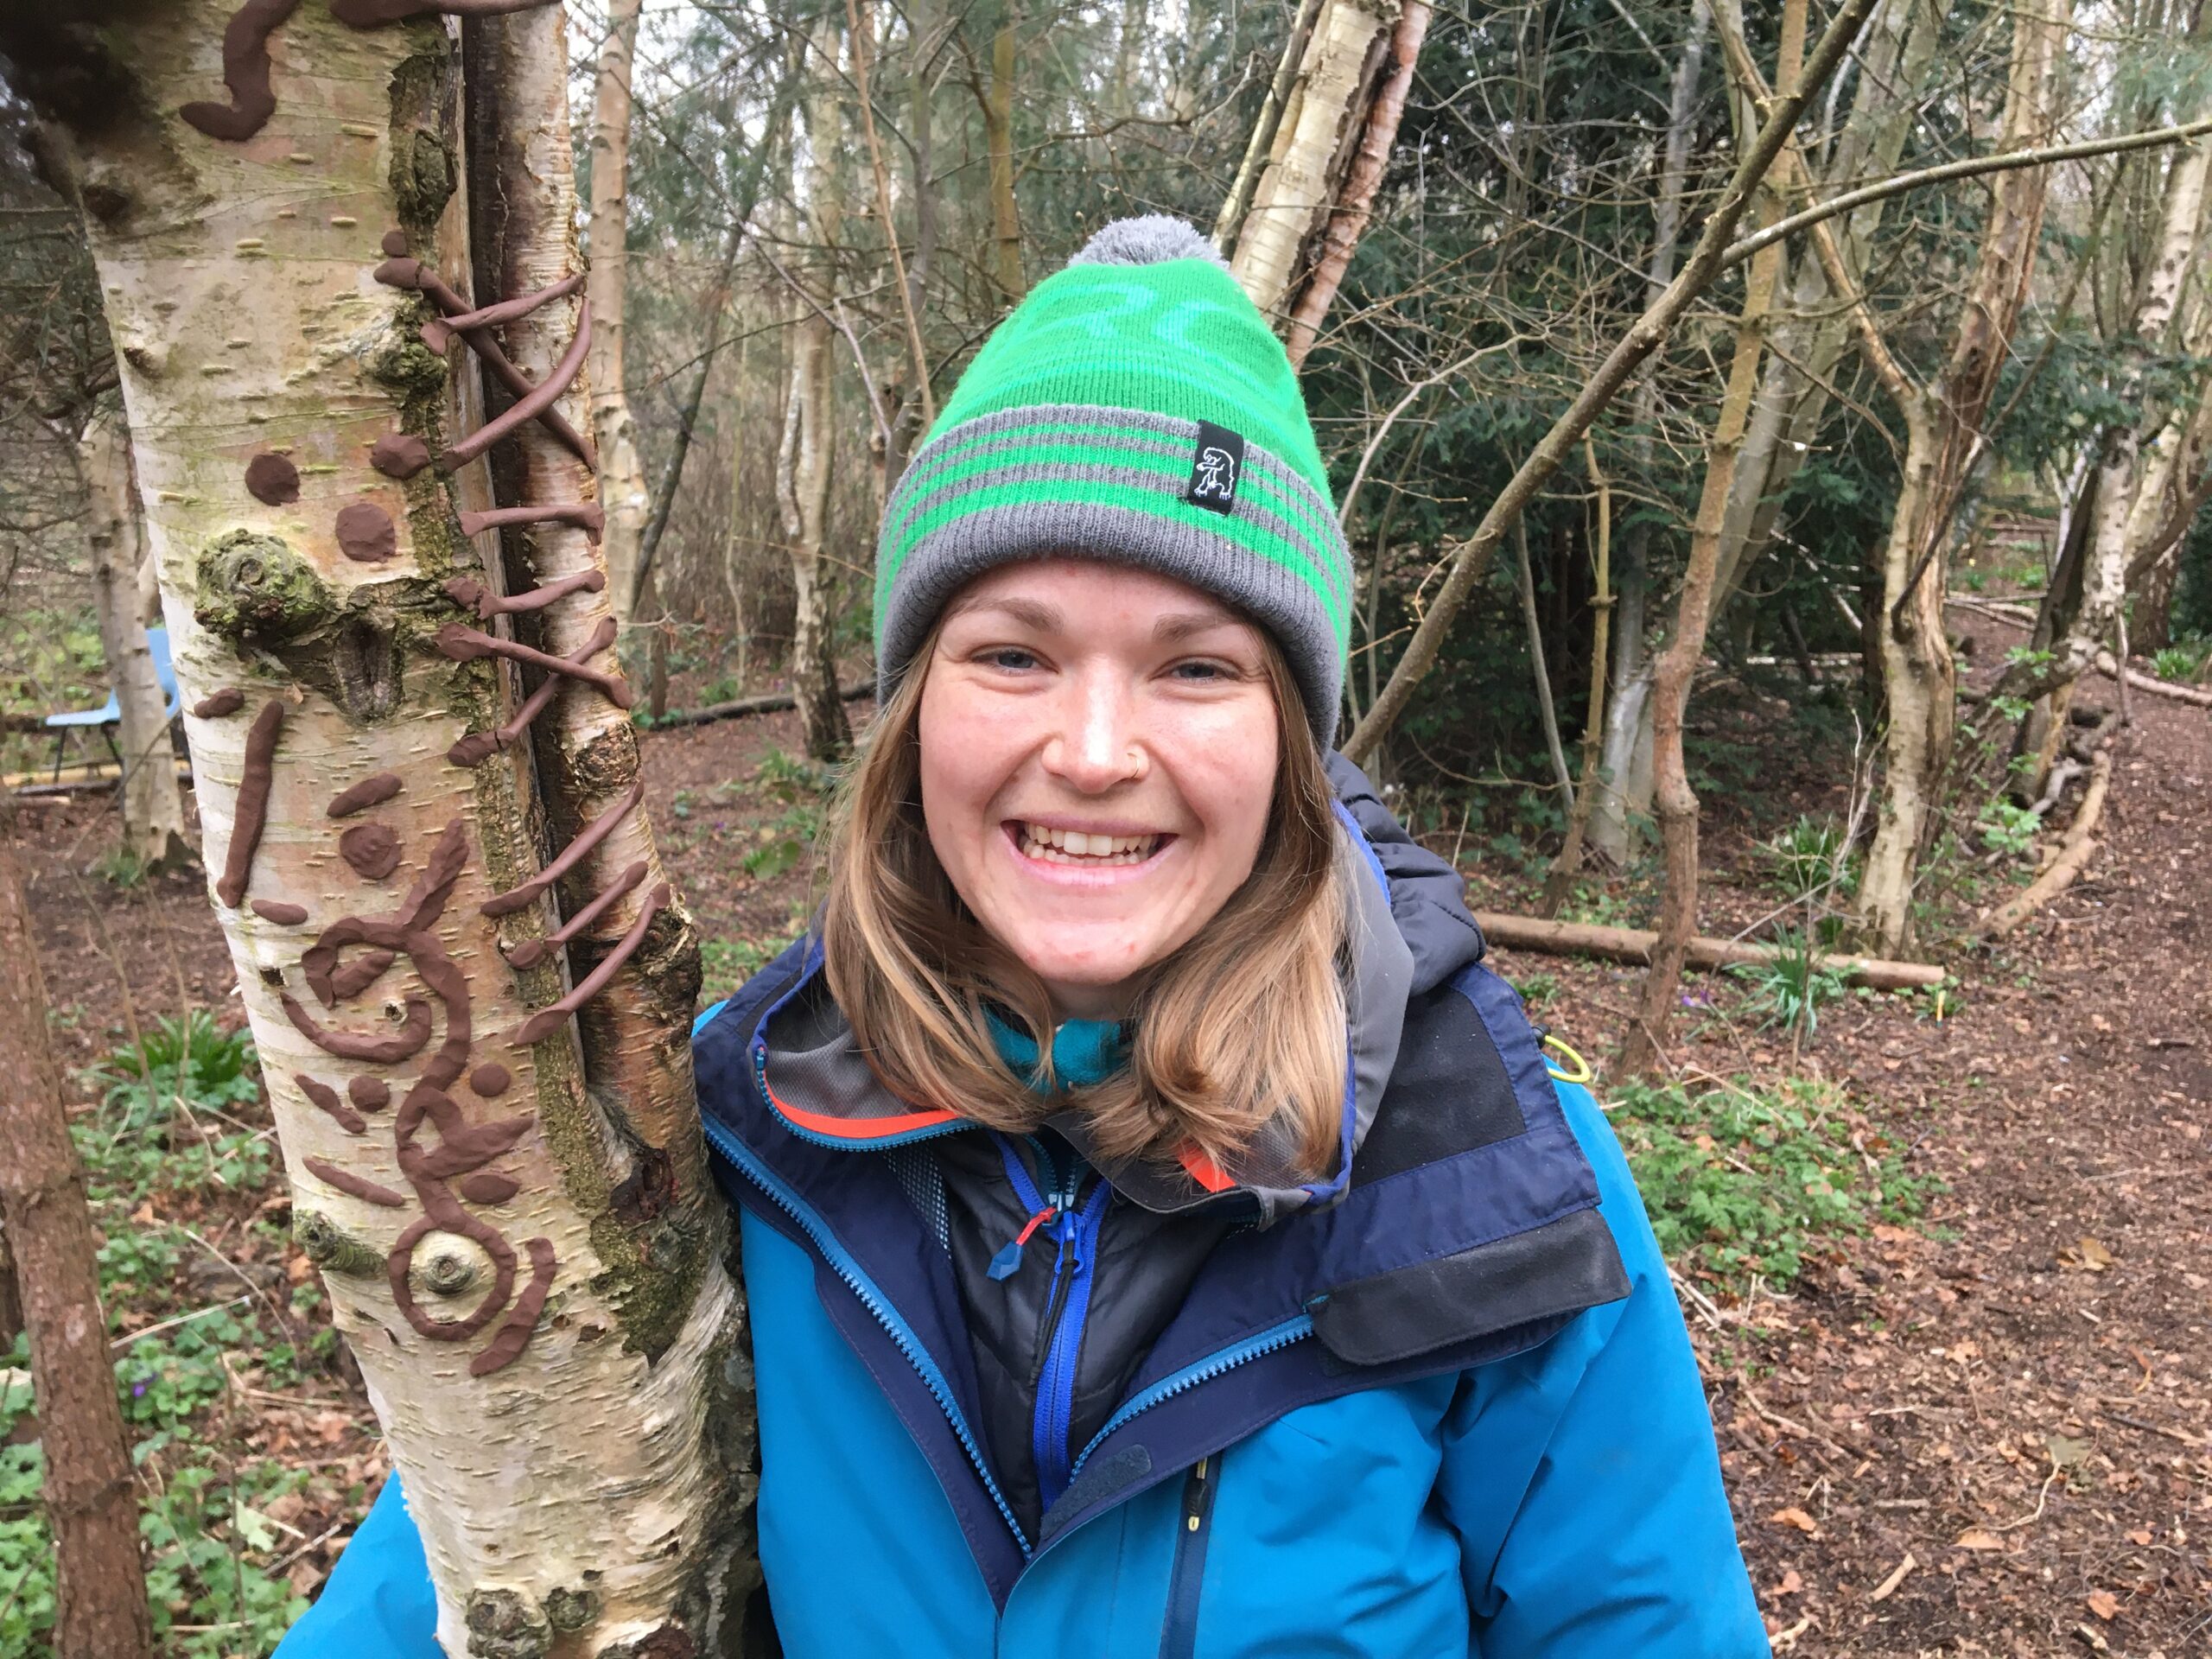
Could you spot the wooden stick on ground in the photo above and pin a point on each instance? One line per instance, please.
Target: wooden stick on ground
(1634, 944)
(1996, 611)
(766, 702)
(2073, 854)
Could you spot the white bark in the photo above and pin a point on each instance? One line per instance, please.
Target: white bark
(622, 493)
(1320, 121)
(153, 807)
(571, 1484)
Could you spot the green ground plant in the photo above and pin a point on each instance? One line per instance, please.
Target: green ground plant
(1743, 1183)
(1788, 988)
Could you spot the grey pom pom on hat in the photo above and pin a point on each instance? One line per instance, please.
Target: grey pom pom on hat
(1147, 239)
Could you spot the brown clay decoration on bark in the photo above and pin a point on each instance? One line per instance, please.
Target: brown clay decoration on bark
(402, 272)
(375, 14)
(216, 704)
(548, 1019)
(467, 590)
(539, 400)
(399, 454)
(530, 952)
(251, 812)
(370, 1093)
(372, 790)
(246, 72)
(463, 644)
(515, 897)
(438, 333)
(372, 848)
(322, 1094)
(360, 1187)
(491, 1079)
(272, 479)
(365, 533)
(279, 910)
(479, 747)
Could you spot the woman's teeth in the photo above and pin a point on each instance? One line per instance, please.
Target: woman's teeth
(1074, 846)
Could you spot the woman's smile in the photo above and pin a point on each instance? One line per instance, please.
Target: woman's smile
(1084, 850)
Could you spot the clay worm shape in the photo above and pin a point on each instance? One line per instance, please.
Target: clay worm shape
(246, 72)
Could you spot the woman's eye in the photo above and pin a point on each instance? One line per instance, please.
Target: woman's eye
(1011, 658)
(1200, 672)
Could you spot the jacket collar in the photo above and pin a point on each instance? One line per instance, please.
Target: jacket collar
(815, 1076)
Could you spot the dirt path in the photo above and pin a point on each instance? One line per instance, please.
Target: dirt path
(2013, 1414)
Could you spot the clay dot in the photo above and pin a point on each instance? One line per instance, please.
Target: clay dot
(490, 1079)
(372, 850)
(365, 533)
(399, 454)
(273, 478)
(486, 1187)
(277, 911)
(370, 1093)
(395, 245)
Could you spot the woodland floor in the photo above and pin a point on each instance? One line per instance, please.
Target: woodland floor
(2010, 1402)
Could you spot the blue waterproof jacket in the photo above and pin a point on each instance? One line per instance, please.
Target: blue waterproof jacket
(1441, 1403)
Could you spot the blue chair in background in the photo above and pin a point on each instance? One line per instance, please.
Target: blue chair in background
(107, 719)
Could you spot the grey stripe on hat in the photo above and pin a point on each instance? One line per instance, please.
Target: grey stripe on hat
(948, 557)
(1135, 428)
(1169, 485)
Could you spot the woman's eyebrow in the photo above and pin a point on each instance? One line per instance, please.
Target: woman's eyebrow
(1181, 625)
(1027, 611)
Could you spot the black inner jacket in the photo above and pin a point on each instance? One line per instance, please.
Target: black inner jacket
(1144, 1266)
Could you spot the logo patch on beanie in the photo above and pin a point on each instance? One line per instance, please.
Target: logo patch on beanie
(1215, 467)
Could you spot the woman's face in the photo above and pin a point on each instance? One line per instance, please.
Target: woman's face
(1098, 754)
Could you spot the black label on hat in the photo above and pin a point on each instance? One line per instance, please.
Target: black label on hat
(1215, 467)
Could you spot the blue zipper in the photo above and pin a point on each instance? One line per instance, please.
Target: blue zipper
(1056, 1383)
(901, 1334)
(1076, 1230)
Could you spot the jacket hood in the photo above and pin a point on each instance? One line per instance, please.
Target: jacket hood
(1409, 930)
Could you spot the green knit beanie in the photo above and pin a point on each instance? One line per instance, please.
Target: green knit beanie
(1134, 408)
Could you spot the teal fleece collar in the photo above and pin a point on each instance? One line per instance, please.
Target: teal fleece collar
(1084, 1051)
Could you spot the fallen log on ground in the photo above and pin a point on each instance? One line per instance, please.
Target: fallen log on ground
(1635, 944)
(2073, 854)
(1997, 611)
(766, 702)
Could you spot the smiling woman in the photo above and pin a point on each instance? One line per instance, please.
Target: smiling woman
(1095, 796)
(1159, 1235)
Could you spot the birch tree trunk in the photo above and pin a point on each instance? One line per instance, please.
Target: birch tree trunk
(808, 448)
(515, 1220)
(1322, 117)
(803, 463)
(1943, 428)
(2133, 476)
(153, 807)
(1355, 202)
(92, 1500)
(622, 496)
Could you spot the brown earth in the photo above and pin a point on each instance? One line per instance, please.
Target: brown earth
(2008, 1405)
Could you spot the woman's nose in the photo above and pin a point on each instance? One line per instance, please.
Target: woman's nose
(1097, 746)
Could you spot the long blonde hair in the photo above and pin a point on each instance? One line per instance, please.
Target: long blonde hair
(1242, 1029)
